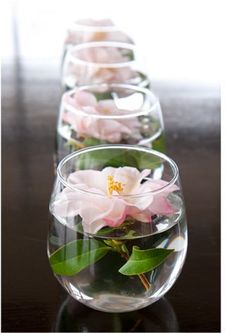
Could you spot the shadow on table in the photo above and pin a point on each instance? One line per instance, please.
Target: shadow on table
(75, 317)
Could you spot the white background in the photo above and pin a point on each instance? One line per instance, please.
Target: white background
(179, 40)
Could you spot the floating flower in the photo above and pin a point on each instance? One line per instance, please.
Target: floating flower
(76, 36)
(95, 65)
(84, 122)
(107, 197)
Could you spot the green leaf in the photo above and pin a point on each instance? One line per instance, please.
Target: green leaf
(159, 144)
(103, 95)
(145, 82)
(77, 255)
(99, 159)
(92, 142)
(142, 261)
(146, 160)
(128, 53)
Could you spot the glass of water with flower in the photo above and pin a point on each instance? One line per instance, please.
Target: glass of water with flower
(102, 62)
(108, 114)
(118, 235)
(94, 30)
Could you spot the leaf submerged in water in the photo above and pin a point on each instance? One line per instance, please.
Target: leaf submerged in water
(142, 261)
(73, 257)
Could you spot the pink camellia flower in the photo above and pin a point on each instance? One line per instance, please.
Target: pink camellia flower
(84, 122)
(76, 35)
(103, 198)
(96, 68)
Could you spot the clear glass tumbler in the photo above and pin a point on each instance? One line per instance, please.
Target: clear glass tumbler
(118, 235)
(102, 62)
(109, 113)
(90, 30)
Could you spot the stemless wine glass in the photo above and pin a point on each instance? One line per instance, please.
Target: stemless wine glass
(109, 113)
(102, 62)
(91, 30)
(118, 236)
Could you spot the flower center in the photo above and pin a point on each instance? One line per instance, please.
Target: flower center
(105, 111)
(112, 185)
(100, 35)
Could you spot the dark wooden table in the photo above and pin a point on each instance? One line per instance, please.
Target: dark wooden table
(32, 299)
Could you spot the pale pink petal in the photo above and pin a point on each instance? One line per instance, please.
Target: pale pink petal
(70, 100)
(117, 214)
(130, 177)
(111, 130)
(84, 98)
(157, 184)
(110, 210)
(67, 204)
(169, 189)
(107, 106)
(97, 211)
(92, 74)
(102, 56)
(81, 123)
(161, 206)
(94, 227)
(90, 178)
(95, 208)
(142, 202)
(157, 203)
(139, 215)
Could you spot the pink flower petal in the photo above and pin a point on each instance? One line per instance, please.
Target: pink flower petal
(91, 178)
(117, 214)
(161, 206)
(84, 98)
(94, 227)
(157, 184)
(111, 211)
(139, 215)
(107, 107)
(97, 211)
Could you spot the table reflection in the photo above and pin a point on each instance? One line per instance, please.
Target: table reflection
(75, 317)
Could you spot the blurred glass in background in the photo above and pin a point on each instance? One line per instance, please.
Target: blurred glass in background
(177, 38)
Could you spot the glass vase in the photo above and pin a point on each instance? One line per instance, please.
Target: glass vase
(118, 235)
(108, 114)
(88, 30)
(102, 62)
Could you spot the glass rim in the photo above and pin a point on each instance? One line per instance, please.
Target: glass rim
(93, 28)
(111, 44)
(67, 158)
(147, 92)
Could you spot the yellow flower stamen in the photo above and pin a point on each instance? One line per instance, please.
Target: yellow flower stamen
(100, 35)
(105, 111)
(112, 185)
